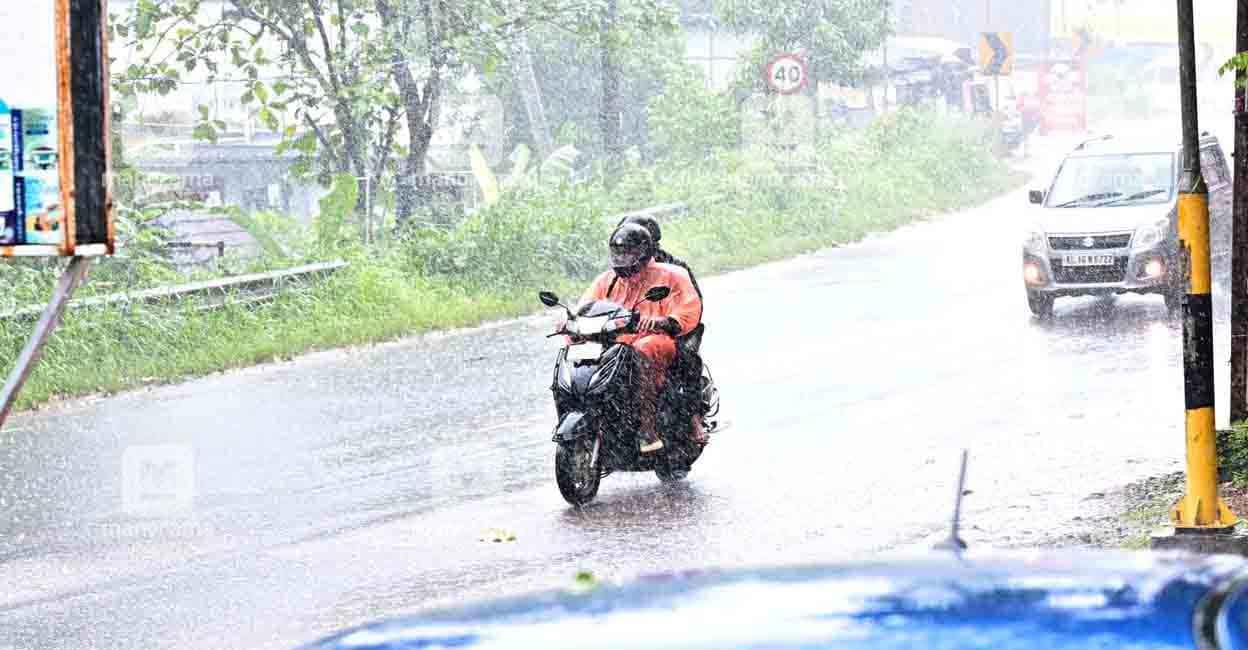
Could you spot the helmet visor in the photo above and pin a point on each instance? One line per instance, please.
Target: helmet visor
(625, 256)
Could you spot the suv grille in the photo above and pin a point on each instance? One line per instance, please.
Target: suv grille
(1099, 242)
(1089, 274)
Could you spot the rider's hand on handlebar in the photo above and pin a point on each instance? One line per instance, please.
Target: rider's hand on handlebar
(665, 325)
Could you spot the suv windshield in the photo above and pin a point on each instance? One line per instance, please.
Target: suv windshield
(1118, 179)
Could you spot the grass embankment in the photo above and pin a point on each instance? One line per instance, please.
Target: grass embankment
(745, 212)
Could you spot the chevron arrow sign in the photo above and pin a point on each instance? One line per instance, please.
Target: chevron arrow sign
(996, 53)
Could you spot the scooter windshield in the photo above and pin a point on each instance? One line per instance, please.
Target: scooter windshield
(590, 326)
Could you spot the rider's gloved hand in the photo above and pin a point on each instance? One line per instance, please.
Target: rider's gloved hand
(665, 325)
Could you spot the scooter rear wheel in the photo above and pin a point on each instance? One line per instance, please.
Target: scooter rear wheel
(576, 471)
(669, 469)
(669, 474)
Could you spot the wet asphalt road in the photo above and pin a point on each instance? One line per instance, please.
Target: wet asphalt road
(348, 485)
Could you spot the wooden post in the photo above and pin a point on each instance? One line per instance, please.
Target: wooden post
(51, 317)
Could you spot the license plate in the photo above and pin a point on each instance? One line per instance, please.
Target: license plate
(584, 352)
(1087, 260)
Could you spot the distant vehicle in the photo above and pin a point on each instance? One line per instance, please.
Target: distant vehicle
(1108, 222)
(1051, 601)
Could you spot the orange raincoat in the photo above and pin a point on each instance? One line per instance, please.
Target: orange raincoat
(657, 349)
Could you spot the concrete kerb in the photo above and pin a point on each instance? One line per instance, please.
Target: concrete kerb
(1233, 543)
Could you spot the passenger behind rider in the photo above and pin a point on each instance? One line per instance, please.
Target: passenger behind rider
(661, 256)
(633, 272)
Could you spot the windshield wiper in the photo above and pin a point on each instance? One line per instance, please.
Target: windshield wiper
(1133, 197)
(1091, 197)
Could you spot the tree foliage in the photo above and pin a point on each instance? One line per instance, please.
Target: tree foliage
(351, 86)
(688, 120)
(832, 34)
(569, 72)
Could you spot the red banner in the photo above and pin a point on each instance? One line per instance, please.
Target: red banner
(1063, 90)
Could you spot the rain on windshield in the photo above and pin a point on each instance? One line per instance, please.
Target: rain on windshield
(1150, 177)
(410, 304)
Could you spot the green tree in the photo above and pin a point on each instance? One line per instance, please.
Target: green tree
(568, 67)
(689, 121)
(349, 78)
(312, 73)
(833, 35)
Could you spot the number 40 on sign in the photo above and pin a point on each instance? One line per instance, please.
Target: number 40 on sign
(786, 74)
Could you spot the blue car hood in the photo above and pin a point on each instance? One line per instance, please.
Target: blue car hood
(1038, 600)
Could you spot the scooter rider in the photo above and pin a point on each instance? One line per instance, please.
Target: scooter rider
(661, 256)
(633, 272)
(652, 225)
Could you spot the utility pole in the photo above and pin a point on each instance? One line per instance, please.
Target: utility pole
(1239, 244)
(1200, 510)
(609, 114)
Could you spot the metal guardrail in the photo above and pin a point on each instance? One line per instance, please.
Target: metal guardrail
(669, 211)
(259, 287)
(666, 212)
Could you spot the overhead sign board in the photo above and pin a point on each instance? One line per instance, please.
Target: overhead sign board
(54, 150)
(786, 74)
(996, 53)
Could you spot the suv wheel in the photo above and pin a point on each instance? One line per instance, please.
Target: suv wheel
(1041, 304)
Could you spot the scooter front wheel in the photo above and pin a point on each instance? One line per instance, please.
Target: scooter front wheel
(576, 470)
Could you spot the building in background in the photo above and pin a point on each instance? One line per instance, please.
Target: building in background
(718, 52)
(1030, 21)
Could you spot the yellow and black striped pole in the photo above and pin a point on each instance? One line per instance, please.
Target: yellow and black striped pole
(1201, 509)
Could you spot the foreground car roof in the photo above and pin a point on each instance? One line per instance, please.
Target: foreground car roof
(1051, 600)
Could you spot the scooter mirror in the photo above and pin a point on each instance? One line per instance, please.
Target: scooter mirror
(655, 294)
(549, 299)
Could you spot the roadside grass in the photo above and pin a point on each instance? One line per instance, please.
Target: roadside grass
(101, 351)
(1148, 504)
(744, 212)
(1143, 519)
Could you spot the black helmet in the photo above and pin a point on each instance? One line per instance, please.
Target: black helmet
(647, 222)
(631, 249)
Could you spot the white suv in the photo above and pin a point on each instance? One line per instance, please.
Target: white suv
(1107, 222)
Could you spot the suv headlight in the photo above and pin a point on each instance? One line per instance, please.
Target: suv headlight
(1148, 236)
(1035, 243)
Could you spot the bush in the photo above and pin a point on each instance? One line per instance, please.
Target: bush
(526, 238)
(1233, 454)
(688, 121)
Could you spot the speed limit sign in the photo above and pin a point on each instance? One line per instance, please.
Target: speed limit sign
(786, 74)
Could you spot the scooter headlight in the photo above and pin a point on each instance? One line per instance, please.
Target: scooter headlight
(565, 375)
